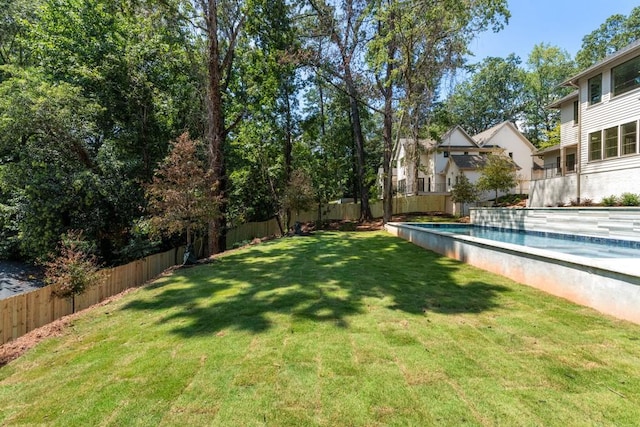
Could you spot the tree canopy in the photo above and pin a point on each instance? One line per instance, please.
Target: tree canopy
(282, 94)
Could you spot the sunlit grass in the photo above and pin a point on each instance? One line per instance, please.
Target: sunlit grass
(331, 329)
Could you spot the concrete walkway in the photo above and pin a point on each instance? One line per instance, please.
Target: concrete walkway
(17, 278)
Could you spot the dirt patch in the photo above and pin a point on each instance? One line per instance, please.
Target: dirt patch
(14, 349)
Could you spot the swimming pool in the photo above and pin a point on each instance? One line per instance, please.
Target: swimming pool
(600, 273)
(585, 246)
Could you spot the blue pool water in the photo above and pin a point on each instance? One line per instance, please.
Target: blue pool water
(586, 246)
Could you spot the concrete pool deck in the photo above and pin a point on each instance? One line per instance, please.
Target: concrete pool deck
(611, 286)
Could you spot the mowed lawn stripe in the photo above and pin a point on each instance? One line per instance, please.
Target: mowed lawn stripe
(331, 329)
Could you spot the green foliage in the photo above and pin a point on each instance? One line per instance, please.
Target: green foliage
(74, 268)
(493, 94)
(612, 200)
(498, 174)
(90, 93)
(299, 194)
(615, 33)
(547, 67)
(630, 199)
(464, 191)
(510, 199)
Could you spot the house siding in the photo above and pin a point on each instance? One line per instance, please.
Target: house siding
(610, 112)
(603, 177)
(568, 128)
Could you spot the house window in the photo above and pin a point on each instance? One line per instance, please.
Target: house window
(626, 76)
(558, 165)
(595, 146)
(611, 142)
(629, 138)
(575, 112)
(571, 162)
(595, 89)
(402, 186)
(446, 154)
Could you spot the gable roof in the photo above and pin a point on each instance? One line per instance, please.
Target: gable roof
(445, 141)
(559, 102)
(474, 161)
(468, 161)
(630, 48)
(484, 137)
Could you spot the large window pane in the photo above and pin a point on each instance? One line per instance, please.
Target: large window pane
(629, 138)
(611, 142)
(595, 89)
(595, 146)
(626, 77)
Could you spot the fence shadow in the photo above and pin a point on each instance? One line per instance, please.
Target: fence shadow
(327, 277)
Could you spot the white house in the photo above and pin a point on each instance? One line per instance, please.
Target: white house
(421, 170)
(598, 154)
(441, 162)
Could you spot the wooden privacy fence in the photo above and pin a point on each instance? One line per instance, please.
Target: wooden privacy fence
(342, 211)
(25, 312)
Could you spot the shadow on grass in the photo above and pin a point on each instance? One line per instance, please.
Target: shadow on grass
(327, 277)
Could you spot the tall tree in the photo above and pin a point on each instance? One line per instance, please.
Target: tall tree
(416, 44)
(345, 27)
(222, 23)
(547, 67)
(109, 84)
(614, 34)
(493, 94)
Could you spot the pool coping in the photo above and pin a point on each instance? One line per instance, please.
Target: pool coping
(611, 286)
(615, 265)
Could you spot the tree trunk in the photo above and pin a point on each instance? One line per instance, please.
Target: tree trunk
(365, 209)
(216, 133)
(387, 168)
(288, 148)
(386, 88)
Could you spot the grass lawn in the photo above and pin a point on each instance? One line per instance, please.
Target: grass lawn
(332, 329)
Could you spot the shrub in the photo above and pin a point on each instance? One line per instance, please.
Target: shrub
(74, 269)
(630, 199)
(610, 201)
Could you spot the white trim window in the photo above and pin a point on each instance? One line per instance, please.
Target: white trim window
(626, 76)
(595, 89)
(611, 142)
(629, 133)
(595, 146)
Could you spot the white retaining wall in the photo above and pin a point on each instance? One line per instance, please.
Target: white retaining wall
(594, 186)
(611, 286)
